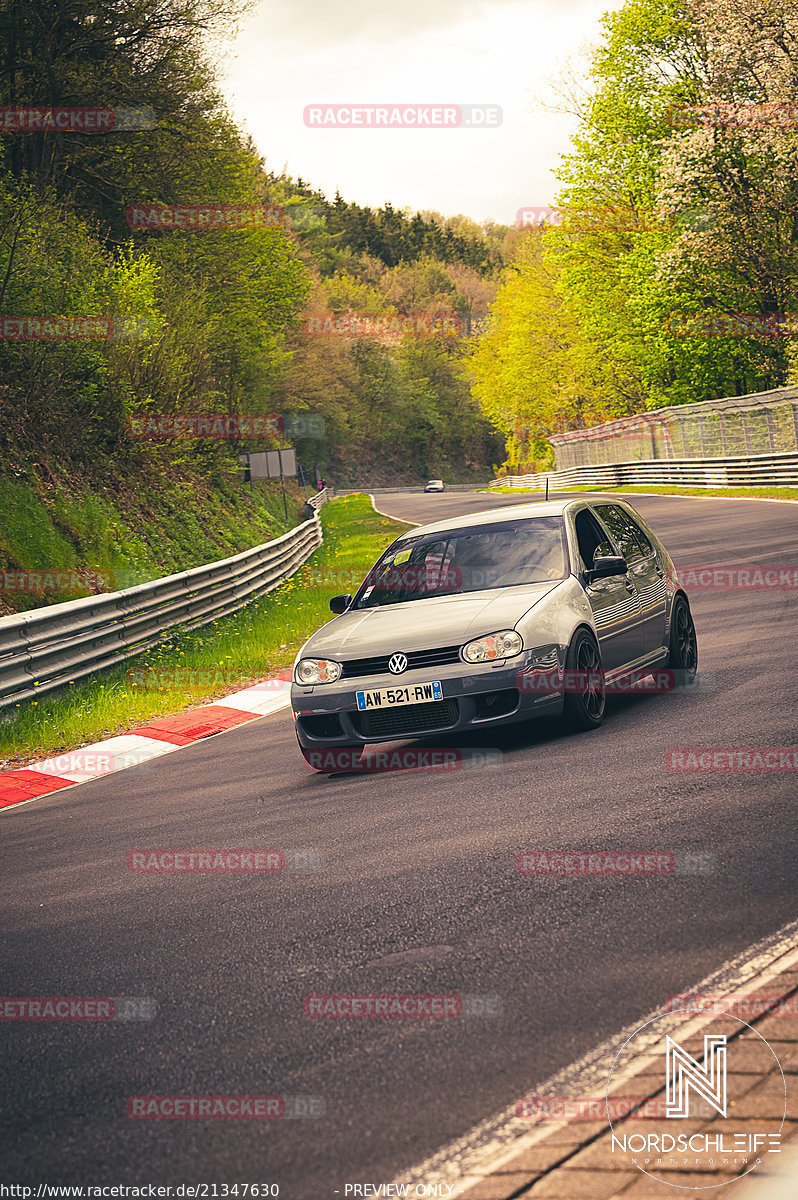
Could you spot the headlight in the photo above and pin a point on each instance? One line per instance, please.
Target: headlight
(316, 670)
(505, 644)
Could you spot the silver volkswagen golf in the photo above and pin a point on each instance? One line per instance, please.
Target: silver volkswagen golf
(493, 618)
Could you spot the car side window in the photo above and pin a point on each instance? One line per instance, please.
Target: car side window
(633, 543)
(591, 538)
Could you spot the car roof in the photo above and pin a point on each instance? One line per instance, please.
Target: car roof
(490, 516)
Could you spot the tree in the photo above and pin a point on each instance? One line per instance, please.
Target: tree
(535, 372)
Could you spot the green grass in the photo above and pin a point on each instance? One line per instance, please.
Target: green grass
(189, 668)
(772, 493)
(128, 531)
(27, 534)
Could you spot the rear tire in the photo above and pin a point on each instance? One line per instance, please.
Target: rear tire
(585, 700)
(683, 654)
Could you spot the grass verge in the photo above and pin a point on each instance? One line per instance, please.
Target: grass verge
(773, 493)
(64, 539)
(226, 656)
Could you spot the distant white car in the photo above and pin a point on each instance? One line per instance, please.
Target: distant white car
(435, 485)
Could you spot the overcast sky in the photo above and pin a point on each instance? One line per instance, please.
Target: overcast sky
(292, 53)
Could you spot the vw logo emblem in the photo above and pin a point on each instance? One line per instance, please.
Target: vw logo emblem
(397, 663)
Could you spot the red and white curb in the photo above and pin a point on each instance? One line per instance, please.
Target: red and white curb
(161, 736)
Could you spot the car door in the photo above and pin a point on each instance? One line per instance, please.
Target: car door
(645, 571)
(614, 601)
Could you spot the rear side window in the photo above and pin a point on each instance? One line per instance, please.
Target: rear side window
(631, 540)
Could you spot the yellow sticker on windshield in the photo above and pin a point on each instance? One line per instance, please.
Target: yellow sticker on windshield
(402, 556)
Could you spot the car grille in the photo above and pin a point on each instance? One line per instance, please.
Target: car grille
(357, 667)
(406, 719)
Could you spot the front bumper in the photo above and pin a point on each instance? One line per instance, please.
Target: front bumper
(474, 697)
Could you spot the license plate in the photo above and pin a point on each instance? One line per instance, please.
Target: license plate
(414, 693)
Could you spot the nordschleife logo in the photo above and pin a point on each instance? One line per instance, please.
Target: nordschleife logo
(684, 1073)
(699, 1133)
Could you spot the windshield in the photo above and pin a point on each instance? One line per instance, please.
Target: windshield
(466, 560)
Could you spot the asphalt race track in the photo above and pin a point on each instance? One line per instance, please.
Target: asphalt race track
(418, 892)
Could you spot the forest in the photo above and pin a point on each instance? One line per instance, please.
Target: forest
(678, 200)
(394, 345)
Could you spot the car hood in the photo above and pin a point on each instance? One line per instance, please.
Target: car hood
(425, 624)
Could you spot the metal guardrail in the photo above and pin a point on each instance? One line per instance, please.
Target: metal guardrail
(761, 470)
(48, 647)
(315, 502)
(762, 423)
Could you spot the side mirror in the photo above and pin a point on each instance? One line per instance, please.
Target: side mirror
(604, 567)
(340, 604)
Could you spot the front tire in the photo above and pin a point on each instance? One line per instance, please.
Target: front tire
(585, 699)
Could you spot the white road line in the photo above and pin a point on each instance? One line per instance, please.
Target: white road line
(496, 1141)
(391, 517)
